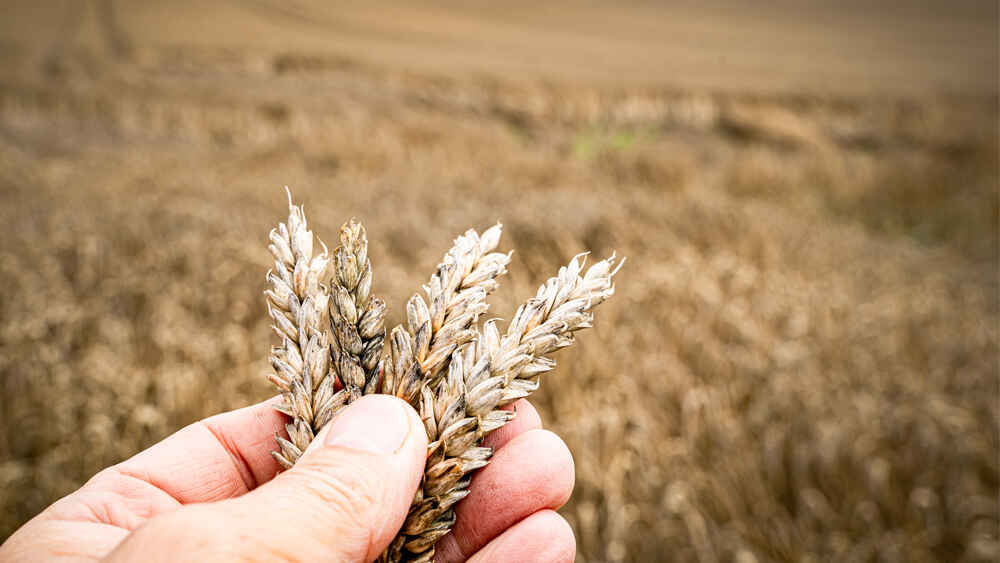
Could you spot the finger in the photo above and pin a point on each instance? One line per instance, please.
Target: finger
(532, 472)
(543, 536)
(526, 418)
(45, 539)
(343, 501)
(221, 457)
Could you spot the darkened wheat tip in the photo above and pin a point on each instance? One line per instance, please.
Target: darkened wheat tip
(357, 319)
(457, 373)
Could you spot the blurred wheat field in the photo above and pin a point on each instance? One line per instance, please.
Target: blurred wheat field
(801, 363)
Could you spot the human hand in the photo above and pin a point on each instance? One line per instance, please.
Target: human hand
(209, 492)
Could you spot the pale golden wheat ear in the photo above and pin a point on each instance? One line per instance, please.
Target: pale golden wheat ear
(457, 374)
(435, 327)
(483, 376)
(297, 303)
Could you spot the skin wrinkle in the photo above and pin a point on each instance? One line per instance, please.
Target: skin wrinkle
(266, 421)
(264, 550)
(113, 508)
(73, 509)
(79, 553)
(67, 540)
(223, 486)
(134, 469)
(130, 489)
(350, 502)
(219, 489)
(123, 472)
(235, 455)
(137, 499)
(101, 512)
(221, 482)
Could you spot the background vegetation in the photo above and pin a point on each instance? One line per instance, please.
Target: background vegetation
(801, 363)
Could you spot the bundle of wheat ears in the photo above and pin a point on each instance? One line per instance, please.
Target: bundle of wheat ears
(456, 373)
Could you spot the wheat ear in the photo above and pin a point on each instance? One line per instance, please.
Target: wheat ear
(457, 296)
(483, 377)
(357, 320)
(297, 304)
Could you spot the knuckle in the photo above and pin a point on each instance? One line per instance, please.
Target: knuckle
(107, 478)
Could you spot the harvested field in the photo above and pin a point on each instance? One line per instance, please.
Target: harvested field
(802, 359)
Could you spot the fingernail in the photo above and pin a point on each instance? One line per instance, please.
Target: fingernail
(377, 424)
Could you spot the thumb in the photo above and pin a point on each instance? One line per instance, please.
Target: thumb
(349, 494)
(344, 500)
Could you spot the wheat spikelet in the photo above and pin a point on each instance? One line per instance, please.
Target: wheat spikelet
(297, 304)
(356, 318)
(482, 377)
(457, 296)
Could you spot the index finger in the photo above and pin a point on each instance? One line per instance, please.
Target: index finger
(220, 457)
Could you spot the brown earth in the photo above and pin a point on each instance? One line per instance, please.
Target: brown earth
(800, 363)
